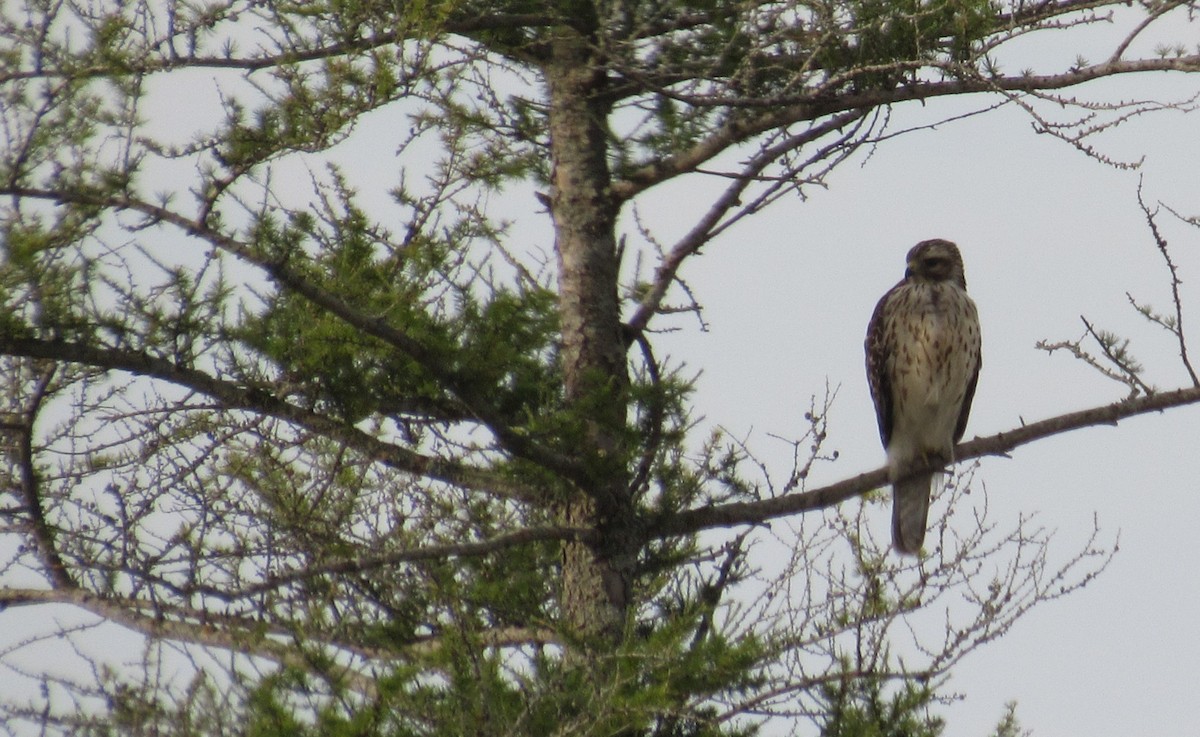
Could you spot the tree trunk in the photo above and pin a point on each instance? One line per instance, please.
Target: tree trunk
(596, 579)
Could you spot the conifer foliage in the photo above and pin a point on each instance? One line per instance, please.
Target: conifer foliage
(328, 333)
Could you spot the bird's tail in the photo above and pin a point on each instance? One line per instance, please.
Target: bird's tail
(910, 511)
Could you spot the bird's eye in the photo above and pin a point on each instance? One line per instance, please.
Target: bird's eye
(933, 262)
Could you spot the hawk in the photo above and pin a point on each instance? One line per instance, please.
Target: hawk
(923, 358)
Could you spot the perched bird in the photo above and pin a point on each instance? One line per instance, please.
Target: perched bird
(923, 358)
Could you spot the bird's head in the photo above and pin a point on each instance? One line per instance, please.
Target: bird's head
(936, 260)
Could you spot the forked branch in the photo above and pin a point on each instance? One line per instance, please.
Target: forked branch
(1176, 325)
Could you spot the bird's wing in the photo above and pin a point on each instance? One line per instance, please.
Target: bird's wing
(965, 411)
(877, 350)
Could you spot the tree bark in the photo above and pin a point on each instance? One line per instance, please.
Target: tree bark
(596, 577)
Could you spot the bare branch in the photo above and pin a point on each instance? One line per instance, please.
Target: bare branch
(713, 221)
(1000, 444)
(1176, 327)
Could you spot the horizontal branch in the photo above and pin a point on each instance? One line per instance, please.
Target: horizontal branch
(783, 112)
(1000, 444)
(260, 400)
(249, 637)
(168, 60)
(367, 563)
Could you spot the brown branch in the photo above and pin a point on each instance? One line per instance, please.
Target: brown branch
(1000, 444)
(1075, 348)
(783, 112)
(255, 399)
(706, 228)
(171, 60)
(1127, 368)
(1034, 13)
(499, 637)
(372, 562)
(41, 529)
(1161, 242)
(251, 636)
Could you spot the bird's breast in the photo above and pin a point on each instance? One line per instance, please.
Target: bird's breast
(934, 353)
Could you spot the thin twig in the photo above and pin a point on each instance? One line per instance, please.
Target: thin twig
(1161, 242)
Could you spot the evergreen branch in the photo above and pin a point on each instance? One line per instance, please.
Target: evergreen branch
(289, 277)
(172, 60)
(497, 637)
(1001, 444)
(42, 532)
(1075, 348)
(251, 636)
(653, 424)
(386, 560)
(260, 399)
(1117, 352)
